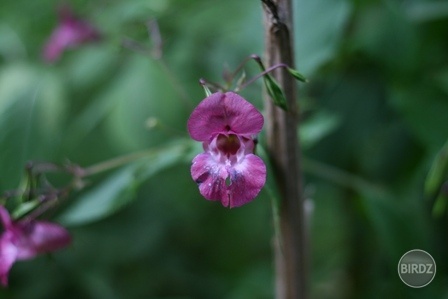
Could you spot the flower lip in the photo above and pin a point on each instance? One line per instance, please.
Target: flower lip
(228, 145)
(224, 113)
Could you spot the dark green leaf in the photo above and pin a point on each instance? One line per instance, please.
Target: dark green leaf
(297, 75)
(275, 92)
(438, 172)
(440, 205)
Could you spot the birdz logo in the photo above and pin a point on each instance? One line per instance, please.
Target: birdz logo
(416, 268)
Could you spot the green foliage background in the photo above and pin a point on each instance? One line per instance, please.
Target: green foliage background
(375, 114)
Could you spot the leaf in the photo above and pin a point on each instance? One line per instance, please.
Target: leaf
(316, 128)
(315, 45)
(24, 208)
(427, 11)
(206, 90)
(275, 92)
(424, 111)
(272, 87)
(440, 205)
(103, 200)
(32, 116)
(119, 188)
(437, 173)
(297, 75)
(137, 93)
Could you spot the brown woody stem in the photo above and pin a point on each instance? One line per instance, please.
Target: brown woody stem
(284, 151)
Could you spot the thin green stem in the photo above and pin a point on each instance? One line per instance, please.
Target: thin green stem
(113, 163)
(272, 68)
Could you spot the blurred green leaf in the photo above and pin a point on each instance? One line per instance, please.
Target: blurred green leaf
(425, 11)
(440, 205)
(32, 113)
(319, 26)
(25, 207)
(108, 197)
(312, 130)
(437, 173)
(297, 75)
(118, 189)
(11, 47)
(424, 109)
(135, 98)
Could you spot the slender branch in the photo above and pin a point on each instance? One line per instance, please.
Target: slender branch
(113, 163)
(291, 246)
(270, 69)
(211, 84)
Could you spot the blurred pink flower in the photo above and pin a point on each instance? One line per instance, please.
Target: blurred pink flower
(70, 32)
(23, 240)
(228, 170)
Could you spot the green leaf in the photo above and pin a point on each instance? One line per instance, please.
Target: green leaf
(297, 75)
(426, 11)
(440, 205)
(119, 188)
(317, 127)
(438, 172)
(32, 116)
(103, 200)
(25, 208)
(316, 45)
(206, 90)
(275, 92)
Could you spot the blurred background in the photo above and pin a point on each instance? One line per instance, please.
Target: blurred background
(374, 114)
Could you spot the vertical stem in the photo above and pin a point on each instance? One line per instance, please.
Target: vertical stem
(283, 148)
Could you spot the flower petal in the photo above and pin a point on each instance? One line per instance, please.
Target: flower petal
(8, 255)
(5, 218)
(210, 177)
(247, 178)
(224, 113)
(41, 237)
(70, 32)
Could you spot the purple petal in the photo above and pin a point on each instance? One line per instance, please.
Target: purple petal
(8, 255)
(70, 32)
(211, 178)
(226, 114)
(41, 237)
(5, 218)
(247, 178)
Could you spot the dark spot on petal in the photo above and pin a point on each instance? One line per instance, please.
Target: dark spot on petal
(228, 144)
(202, 178)
(227, 128)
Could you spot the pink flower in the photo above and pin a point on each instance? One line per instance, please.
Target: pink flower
(228, 170)
(70, 32)
(24, 240)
